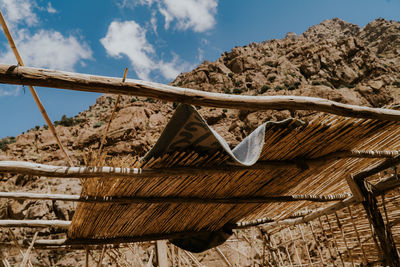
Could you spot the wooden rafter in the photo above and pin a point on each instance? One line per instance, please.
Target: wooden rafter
(12, 74)
(29, 168)
(167, 199)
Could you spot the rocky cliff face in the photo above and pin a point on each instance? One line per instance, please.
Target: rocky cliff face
(335, 60)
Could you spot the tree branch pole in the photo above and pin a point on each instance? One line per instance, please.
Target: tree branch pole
(103, 140)
(90, 83)
(168, 199)
(29, 168)
(32, 89)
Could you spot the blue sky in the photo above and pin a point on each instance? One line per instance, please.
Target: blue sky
(155, 39)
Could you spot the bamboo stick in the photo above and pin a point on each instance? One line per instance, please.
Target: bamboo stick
(172, 199)
(33, 91)
(83, 82)
(100, 262)
(18, 246)
(224, 258)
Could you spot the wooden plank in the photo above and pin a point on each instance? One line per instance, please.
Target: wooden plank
(12, 74)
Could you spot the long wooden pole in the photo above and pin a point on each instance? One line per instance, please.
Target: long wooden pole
(83, 82)
(32, 89)
(166, 199)
(28, 168)
(103, 140)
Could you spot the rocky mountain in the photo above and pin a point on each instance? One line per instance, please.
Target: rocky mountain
(335, 60)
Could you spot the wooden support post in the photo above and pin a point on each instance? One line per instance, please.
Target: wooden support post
(162, 257)
(355, 190)
(386, 241)
(100, 262)
(87, 258)
(294, 246)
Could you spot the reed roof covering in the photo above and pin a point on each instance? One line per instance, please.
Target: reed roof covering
(188, 141)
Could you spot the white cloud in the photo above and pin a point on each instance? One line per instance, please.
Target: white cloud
(48, 49)
(10, 91)
(129, 38)
(19, 11)
(51, 9)
(198, 15)
(153, 22)
(195, 14)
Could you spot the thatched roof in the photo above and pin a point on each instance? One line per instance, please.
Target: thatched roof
(188, 141)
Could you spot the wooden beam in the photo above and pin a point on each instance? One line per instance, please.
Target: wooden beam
(168, 199)
(355, 190)
(35, 223)
(82, 82)
(162, 256)
(29, 168)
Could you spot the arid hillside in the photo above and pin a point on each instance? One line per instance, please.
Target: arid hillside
(335, 60)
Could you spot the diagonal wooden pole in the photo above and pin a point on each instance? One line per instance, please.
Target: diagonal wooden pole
(32, 89)
(111, 118)
(28, 251)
